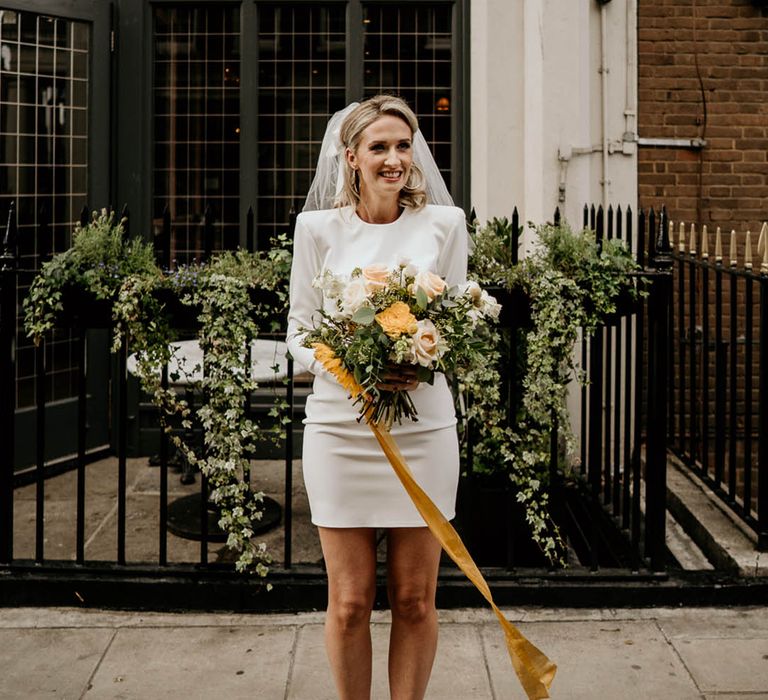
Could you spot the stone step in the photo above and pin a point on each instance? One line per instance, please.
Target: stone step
(714, 529)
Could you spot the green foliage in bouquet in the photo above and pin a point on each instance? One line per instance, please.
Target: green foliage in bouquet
(571, 283)
(223, 298)
(384, 319)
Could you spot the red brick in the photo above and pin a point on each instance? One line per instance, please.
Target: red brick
(730, 156)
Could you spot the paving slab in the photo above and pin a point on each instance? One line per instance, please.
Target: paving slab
(60, 531)
(459, 672)
(726, 665)
(37, 663)
(311, 677)
(236, 663)
(751, 622)
(31, 618)
(606, 659)
(142, 517)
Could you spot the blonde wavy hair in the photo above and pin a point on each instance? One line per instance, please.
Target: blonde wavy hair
(413, 194)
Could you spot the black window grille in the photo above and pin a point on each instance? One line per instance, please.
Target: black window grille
(302, 82)
(197, 124)
(44, 89)
(409, 52)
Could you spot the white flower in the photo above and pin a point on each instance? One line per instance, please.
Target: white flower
(426, 344)
(403, 261)
(472, 290)
(489, 306)
(354, 296)
(331, 285)
(410, 270)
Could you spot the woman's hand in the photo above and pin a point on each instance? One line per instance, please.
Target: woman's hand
(402, 377)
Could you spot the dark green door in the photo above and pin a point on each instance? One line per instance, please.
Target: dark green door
(55, 58)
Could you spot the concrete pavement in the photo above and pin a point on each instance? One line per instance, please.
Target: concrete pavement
(669, 654)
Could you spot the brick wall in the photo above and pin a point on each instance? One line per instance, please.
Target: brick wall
(703, 73)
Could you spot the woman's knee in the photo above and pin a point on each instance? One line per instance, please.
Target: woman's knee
(350, 610)
(412, 606)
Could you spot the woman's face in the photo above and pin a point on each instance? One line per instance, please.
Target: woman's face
(383, 158)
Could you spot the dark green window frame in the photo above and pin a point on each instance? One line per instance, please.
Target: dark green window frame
(132, 171)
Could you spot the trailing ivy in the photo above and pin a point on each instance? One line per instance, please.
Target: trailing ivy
(223, 296)
(572, 284)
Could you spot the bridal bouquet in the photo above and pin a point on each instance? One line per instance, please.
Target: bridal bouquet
(383, 318)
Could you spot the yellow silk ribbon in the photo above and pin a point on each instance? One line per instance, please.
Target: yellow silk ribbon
(535, 671)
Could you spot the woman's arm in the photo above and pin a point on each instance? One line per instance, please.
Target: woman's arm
(452, 260)
(305, 299)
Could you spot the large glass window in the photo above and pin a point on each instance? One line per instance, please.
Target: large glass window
(44, 88)
(305, 61)
(408, 51)
(302, 82)
(197, 124)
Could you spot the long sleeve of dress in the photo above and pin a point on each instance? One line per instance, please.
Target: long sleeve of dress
(452, 261)
(304, 299)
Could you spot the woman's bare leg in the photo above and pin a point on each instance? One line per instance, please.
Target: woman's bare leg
(350, 559)
(413, 558)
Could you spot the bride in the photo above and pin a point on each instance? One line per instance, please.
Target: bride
(377, 198)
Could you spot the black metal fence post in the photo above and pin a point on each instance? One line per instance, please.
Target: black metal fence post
(762, 447)
(595, 432)
(659, 306)
(208, 233)
(8, 274)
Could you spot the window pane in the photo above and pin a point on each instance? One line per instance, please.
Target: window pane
(302, 53)
(408, 52)
(44, 155)
(197, 124)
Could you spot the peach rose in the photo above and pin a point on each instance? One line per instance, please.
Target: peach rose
(431, 283)
(426, 344)
(375, 277)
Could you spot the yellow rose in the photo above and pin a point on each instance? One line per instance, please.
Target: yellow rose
(396, 320)
(375, 277)
(431, 283)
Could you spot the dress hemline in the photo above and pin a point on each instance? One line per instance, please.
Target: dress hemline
(380, 526)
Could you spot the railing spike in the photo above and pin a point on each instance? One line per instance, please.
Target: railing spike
(748, 251)
(671, 235)
(733, 252)
(692, 244)
(681, 238)
(718, 245)
(764, 263)
(762, 240)
(704, 242)
(8, 248)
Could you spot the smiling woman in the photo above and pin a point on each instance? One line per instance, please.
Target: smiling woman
(381, 163)
(382, 215)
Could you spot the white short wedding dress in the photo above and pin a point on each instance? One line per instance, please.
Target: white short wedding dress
(349, 481)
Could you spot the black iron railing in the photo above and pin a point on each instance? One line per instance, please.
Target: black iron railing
(719, 337)
(623, 409)
(609, 522)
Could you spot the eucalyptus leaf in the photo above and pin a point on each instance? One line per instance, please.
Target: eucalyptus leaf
(364, 316)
